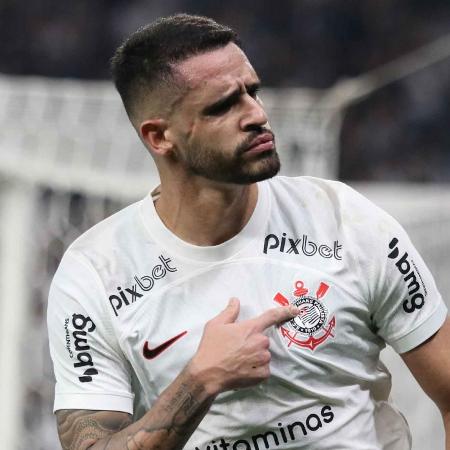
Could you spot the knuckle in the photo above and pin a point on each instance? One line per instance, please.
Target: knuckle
(256, 339)
(284, 314)
(265, 342)
(279, 311)
(264, 357)
(267, 356)
(273, 314)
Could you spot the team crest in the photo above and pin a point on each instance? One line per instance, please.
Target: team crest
(311, 327)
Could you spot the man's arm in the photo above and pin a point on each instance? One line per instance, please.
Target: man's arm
(230, 356)
(168, 424)
(77, 429)
(430, 365)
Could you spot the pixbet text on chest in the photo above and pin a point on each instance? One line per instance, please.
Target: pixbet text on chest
(144, 283)
(303, 245)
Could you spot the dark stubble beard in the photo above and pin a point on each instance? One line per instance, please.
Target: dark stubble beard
(235, 168)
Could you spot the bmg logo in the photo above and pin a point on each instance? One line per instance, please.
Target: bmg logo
(411, 275)
(82, 326)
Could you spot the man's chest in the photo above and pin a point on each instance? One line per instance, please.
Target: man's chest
(159, 314)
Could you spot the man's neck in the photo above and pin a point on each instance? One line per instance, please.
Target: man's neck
(206, 215)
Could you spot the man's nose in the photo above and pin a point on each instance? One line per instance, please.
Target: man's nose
(254, 113)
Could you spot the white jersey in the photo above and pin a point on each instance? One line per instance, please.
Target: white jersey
(130, 299)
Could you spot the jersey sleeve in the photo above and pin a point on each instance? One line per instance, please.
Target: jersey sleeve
(408, 308)
(405, 304)
(90, 369)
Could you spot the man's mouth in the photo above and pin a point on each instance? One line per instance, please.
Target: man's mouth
(261, 143)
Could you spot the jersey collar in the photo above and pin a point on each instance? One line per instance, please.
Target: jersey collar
(163, 237)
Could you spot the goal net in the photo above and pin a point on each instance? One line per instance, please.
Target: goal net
(69, 158)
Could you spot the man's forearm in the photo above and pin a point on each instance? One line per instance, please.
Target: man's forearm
(167, 425)
(173, 418)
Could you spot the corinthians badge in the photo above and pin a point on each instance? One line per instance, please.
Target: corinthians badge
(311, 327)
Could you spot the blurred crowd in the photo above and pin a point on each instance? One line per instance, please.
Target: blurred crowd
(399, 133)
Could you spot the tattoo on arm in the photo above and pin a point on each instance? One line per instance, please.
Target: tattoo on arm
(80, 429)
(173, 419)
(166, 426)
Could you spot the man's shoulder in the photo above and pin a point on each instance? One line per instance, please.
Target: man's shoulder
(309, 187)
(104, 236)
(307, 182)
(326, 198)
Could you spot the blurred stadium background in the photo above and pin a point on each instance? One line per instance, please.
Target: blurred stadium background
(357, 90)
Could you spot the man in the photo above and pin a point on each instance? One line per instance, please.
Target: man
(230, 309)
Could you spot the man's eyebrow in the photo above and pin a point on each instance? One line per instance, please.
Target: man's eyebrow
(230, 98)
(222, 102)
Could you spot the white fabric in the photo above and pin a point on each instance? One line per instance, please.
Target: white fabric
(318, 243)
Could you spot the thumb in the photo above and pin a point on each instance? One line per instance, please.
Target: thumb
(229, 314)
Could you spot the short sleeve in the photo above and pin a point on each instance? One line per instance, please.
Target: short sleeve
(407, 306)
(90, 369)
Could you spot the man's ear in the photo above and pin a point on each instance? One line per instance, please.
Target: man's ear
(153, 133)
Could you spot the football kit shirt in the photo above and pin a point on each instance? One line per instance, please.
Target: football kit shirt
(129, 302)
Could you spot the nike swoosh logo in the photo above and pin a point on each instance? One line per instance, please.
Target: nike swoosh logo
(150, 353)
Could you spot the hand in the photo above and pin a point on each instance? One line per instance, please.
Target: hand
(234, 354)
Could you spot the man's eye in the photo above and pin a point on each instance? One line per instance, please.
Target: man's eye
(220, 109)
(253, 92)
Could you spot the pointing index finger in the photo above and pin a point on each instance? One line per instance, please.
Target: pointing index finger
(274, 316)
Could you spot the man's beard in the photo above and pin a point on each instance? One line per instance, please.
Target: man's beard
(235, 168)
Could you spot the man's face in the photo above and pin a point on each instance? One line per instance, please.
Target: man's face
(220, 128)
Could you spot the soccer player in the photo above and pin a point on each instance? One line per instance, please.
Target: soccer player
(232, 309)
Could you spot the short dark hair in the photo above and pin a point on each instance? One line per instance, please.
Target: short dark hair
(144, 60)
